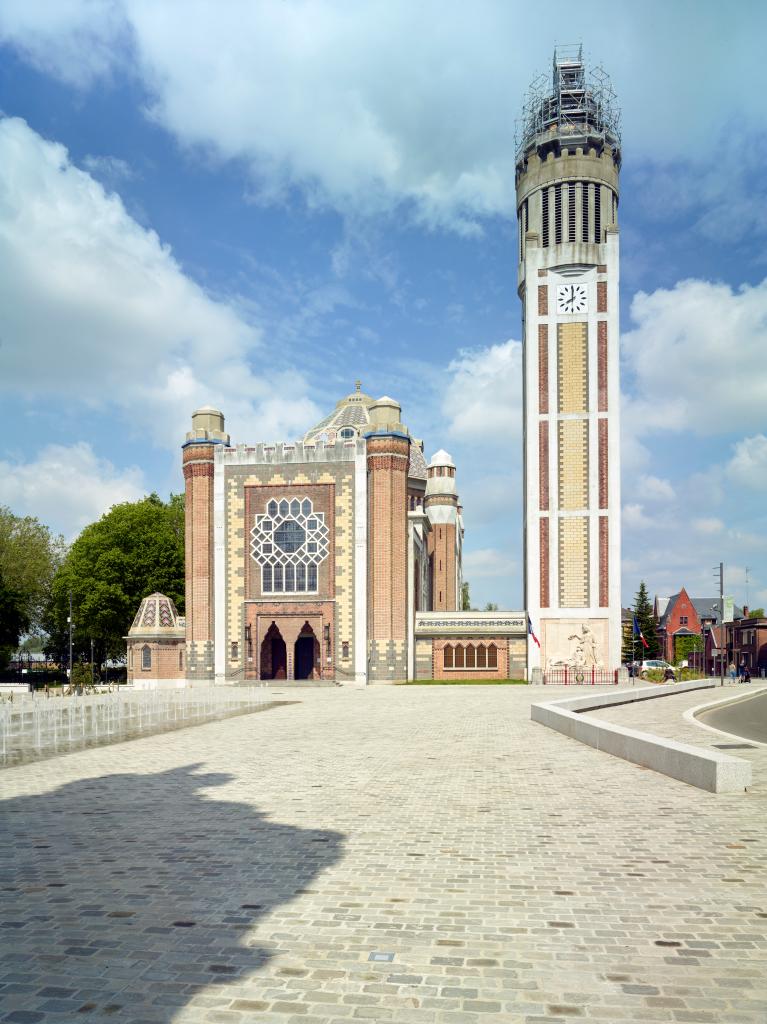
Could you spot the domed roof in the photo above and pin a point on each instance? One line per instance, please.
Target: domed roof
(157, 616)
(351, 411)
(442, 458)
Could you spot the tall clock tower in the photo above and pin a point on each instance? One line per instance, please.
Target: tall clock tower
(567, 169)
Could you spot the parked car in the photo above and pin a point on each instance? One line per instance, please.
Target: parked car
(653, 664)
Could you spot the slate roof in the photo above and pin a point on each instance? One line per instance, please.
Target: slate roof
(705, 608)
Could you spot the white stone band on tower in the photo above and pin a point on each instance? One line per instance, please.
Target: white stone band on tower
(568, 164)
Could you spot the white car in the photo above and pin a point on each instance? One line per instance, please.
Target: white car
(649, 666)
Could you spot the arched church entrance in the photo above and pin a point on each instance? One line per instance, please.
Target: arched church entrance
(307, 652)
(274, 655)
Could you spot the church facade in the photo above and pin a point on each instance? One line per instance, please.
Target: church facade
(311, 560)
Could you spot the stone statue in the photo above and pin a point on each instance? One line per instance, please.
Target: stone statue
(585, 651)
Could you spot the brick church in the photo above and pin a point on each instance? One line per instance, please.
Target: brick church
(311, 559)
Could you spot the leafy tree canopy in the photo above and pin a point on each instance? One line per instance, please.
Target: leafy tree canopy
(465, 597)
(29, 558)
(135, 549)
(13, 621)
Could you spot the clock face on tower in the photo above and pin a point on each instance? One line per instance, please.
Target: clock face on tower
(571, 298)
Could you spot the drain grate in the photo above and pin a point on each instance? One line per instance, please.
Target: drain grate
(735, 746)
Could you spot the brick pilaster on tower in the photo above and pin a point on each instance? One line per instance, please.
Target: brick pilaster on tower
(441, 505)
(197, 459)
(388, 456)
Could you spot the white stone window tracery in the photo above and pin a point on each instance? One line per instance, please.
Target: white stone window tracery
(289, 541)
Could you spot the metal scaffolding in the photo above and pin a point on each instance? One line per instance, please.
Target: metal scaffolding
(575, 105)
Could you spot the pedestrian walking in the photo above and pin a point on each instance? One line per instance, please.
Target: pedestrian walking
(731, 670)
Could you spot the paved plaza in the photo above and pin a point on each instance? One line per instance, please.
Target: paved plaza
(248, 869)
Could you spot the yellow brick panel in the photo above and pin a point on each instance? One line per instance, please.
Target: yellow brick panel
(572, 367)
(574, 562)
(573, 464)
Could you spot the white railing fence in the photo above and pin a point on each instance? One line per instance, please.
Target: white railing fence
(34, 726)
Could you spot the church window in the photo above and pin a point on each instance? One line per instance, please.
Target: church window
(545, 216)
(597, 213)
(481, 656)
(345, 650)
(571, 212)
(471, 656)
(492, 656)
(181, 658)
(584, 211)
(291, 549)
(347, 433)
(459, 656)
(146, 657)
(272, 508)
(235, 651)
(448, 656)
(557, 214)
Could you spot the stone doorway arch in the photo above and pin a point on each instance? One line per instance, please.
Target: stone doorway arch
(274, 655)
(306, 657)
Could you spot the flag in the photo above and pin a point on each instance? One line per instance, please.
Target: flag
(638, 632)
(532, 634)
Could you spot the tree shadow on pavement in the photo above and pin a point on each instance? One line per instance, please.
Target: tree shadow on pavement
(125, 897)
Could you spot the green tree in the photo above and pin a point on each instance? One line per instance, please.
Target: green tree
(135, 549)
(29, 558)
(643, 610)
(684, 646)
(491, 606)
(465, 597)
(756, 613)
(13, 621)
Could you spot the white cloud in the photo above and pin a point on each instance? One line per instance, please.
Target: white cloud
(708, 524)
(368, 106)
(67, 487)
(95, 304)
(483, 396)
(748, 465)
(634, 517)
(656, 489)
(686, 358)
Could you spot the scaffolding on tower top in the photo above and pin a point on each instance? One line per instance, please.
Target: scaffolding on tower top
(575, 106)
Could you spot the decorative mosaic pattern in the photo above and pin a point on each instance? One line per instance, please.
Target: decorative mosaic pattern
(289, 541)
(149, 618)
(544, 560)
(543, 465)
(573, 562)
(543, 368)
(604, 565)
(573, 464)
(602, 365)
(603, 463)
(166, 615)
(572, 367)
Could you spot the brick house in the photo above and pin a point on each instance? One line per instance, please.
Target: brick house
(747, 643)
(681, 616)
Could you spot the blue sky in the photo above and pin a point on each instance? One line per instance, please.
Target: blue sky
(254, 204)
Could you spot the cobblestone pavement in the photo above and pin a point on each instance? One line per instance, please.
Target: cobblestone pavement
(246, 870)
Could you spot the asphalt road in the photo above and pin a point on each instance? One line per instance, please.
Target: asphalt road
(747, 718)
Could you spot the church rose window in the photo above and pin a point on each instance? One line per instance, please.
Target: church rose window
(289, 541)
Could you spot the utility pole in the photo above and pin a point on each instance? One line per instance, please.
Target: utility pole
(723, 635)
(69, 620)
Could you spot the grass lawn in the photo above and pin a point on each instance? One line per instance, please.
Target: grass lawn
(464, 682)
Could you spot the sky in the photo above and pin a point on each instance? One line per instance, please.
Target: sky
(253, 205)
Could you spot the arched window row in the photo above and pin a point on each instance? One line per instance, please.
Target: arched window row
(470, 656)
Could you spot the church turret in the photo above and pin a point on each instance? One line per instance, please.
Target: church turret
(441, 505)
